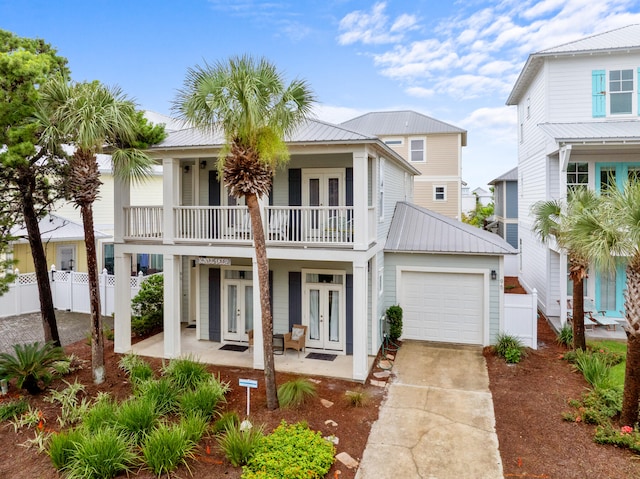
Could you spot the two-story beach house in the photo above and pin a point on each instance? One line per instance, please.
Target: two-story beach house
(432, 146)
(578, 115)
(343, 241)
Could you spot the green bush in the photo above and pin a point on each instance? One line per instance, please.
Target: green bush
(186, 373)
(509, 347)
(194, 426)
(136, 418)
(150, 298)
(147, 324)
(62, 447)
(204, 399)
(238, 446)
(166, 448)
(12, 409)
(597, 406)
(594, 367)
(161, 392)
(356, 398)
(103, 454)
(101, 415)
(624, 437)
(72, 409)
(565, 335)
(31, 365)
(226, 420)
(394, 317)
(294, 393)
(274, 457)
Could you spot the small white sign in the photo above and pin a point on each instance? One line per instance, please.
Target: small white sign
(248, 383)
(215, 261)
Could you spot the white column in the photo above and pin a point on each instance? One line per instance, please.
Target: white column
(171, 306)
(360, 206)
(170, 196)
(122, 304)
(121, 199)
(360, 362)
(258, 348)
(563, 288)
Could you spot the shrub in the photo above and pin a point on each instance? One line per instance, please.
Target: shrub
(238, 446)
(31, 365)
(394, 316)
(186, 373)
(356, 398)
(597, 406)
(194, 425)
(294, 393)
(102, 414)
(204, 399)
(71, 409)
(594, 367)
(565, 335)
(161, 393)
(62, 447)
(226, 420)
(273, 457)
(135, 418)
(147, 324)
(166, 448)
(150, 298)
(13, 409)
(103, 454)
(509, 347)
(140, 372)
(624, 437)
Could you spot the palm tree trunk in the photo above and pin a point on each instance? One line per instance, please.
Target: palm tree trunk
(631, 396)
(47, 310)
(265, 304)
(97, 339)
(579, 341)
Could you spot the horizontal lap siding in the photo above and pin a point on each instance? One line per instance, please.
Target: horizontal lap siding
(423, 196)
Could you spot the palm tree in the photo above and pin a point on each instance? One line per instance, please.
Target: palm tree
(247, 100)
(91, 116)
(554, 221)
(607, 235)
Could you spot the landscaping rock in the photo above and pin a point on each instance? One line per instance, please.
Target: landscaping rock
(382, 374)
(347, 460)
(330, 422)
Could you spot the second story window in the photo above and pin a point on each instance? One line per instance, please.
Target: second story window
(439, 193)
(621, 91)
(417, 151)
(577, 175)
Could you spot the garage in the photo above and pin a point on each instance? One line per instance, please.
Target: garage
(442, 307)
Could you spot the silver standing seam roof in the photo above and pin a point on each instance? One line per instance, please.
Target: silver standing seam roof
(511, 175)
(419, 230)
(55, 228)
(594, 131)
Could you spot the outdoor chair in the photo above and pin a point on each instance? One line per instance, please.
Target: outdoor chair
(296, 338)
(589, 322)
(599, 317)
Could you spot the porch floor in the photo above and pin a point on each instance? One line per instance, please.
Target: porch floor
(598, 332)
(209, 352)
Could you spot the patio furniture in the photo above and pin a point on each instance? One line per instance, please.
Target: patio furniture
(278, 344)
(599, 317)
(296, 338)
(588, 325)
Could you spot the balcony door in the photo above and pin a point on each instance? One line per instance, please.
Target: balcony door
(324, 311)
(237, 301)
(322, 187)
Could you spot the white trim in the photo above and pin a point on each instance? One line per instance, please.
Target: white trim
(435, 192)
(380, 282)
(424, 149)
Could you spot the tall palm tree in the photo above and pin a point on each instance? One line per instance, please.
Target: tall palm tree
(554, 220)
(607, 235)
(247, 100)
(91, 117)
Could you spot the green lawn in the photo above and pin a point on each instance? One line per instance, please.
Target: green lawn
(617, 372)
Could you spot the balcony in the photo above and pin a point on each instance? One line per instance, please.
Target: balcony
(286, 225)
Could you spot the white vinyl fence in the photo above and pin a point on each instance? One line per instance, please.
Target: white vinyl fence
(70, 292)
(521, 317)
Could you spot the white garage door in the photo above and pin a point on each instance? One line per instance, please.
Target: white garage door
(445, 307)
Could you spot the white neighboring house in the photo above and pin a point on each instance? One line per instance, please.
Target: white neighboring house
(578, 107)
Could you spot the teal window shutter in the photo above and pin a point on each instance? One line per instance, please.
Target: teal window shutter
(598, 91)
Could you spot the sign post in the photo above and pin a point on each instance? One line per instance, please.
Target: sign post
(249, 384)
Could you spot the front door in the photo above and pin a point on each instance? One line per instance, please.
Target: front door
(325, 311)
(322, 188)
(237, 306)
(66, 257)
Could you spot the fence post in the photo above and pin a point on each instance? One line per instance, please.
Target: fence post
(52, 281)
(534, 318)
(18, 308)
(104, 287)
(70, 281)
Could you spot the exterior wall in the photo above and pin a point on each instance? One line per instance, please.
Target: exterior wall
(511, 234)
(394, 191)
(424, 193)
(511, 195)
(395, 260)
(22, 253)
(499, 199)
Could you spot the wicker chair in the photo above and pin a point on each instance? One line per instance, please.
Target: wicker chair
(296, 338)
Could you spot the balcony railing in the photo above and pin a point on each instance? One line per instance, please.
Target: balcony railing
(319, 225)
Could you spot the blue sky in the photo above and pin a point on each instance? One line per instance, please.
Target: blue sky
(454, 61)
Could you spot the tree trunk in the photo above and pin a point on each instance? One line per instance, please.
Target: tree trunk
(97, 339)
(578, 312)
(631, 395)
(47, 310)
(265, 304)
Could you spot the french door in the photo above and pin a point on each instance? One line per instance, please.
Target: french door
(322, 187)
(324, 314)
(237, 308)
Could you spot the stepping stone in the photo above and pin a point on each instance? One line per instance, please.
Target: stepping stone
(390, 357)
(347, 460)
(379, 384)
(317, 381)
(333, 439)
(384, 364)
(382, 374)
(330, 422)
(326, 403)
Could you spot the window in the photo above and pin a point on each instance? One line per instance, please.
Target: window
(577, 176)
(417, 150)
(108, 258)
(621, 91)
(439, 193)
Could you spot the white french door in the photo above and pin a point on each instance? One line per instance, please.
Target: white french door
(237, 312)
(322, 187)
(325, 314)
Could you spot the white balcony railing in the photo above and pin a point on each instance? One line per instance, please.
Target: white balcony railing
(283, 224)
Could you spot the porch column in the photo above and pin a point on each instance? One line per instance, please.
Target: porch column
(360, 363)
(170, 196)
(171, 306)
(122, 304)
(258, 349)
(360, 207)
(563, 288)
(121, 199)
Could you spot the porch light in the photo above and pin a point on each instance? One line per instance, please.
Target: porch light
(203, 164)
(53, 272)
(493, 274)
(186, 169)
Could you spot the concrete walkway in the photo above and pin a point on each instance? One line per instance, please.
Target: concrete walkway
(437, 421)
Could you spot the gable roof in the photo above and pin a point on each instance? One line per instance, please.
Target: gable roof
(55, 228)
(419, 230)
(511, 175)
(621, 39)
(405, 122)
(622, 131)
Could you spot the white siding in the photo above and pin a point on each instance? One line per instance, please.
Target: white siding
(394, 191)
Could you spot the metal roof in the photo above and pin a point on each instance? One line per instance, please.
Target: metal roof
(511, 175)
(405, 122)
(418, 230)
(622, 39)
(56, 228)
(595, 131)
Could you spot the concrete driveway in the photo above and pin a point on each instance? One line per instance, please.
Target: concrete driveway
(437, 420)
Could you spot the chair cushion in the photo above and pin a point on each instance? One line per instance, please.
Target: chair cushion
(296, 334)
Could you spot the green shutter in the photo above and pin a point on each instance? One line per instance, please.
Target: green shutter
(598, 92)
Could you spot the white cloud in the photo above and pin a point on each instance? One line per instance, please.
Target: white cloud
(420, 92)
(336, 114)
(372, 28)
